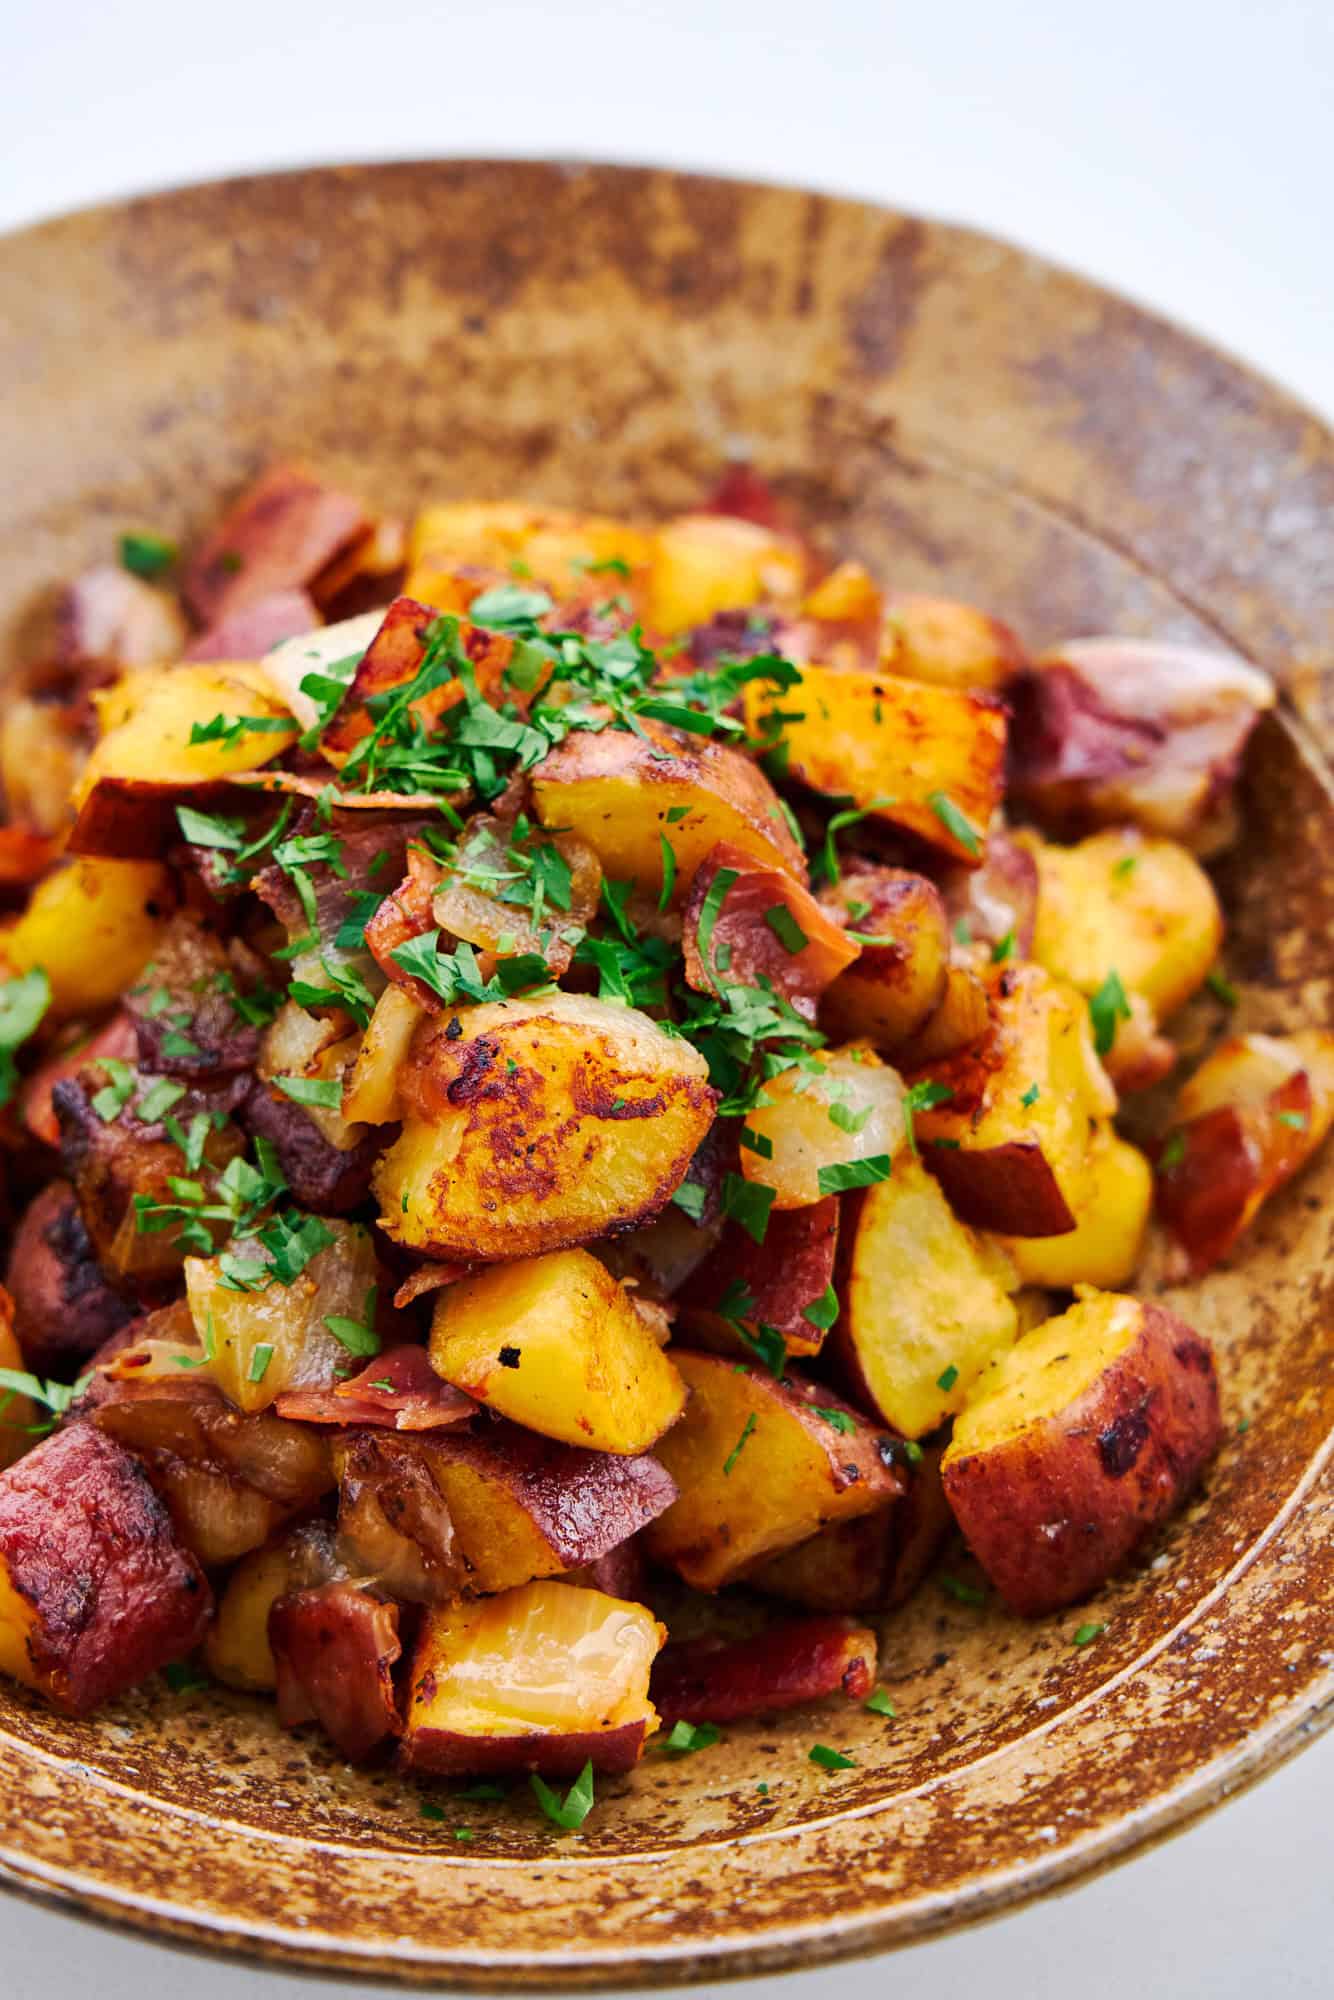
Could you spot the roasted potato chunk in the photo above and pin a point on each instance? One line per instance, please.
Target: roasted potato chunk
(532, 1125)
(784, 1666)
(704, 563)
(92, 926)
(555, 1343)
(543, 1678)
(951, 645)
(926, 1302)
(236, 1649)
(1010, 1141)
(1121, 902)
(894, 988)
(555, 549)
(626, 795)
(1248, 1120)
(183, 726)
(835, 1109)
(334, 1650)
(370, 1084)
(745, 1292)
(63, 1306)
(1111, 1217)
(761, 1465)
(873, 1563)
(18, 1413)
(1077, 1443)
(927, 759)
(763, 930)
(96, 1592)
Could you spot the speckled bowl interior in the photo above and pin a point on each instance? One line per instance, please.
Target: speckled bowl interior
(962, 417)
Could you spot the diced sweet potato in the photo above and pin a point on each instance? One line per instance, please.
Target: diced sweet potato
(1077, 1443)
(535, 1124)
(1111, 1217)
(278, 535)
(516, 1506)
(1109, 730)
(894, 987)
(1010, 1143)
(334, 1650)
(1248, 1120)
(555, 1343)
(764, 929)
(1120, 901)
(63, 1306)
(951, 645)
(237, 1650)
(625, 795)
(784, 1666)
(703, 563)
(543, 1678)
(873, 1563)
(761, 1465)
(91, 926)
(783, 1285)
(836, 1108)
(927, 759)
(926, 1302)
(96, 1591)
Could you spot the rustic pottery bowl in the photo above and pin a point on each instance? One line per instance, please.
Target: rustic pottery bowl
(963, 417)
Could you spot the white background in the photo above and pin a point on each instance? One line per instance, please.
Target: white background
(1181, 150)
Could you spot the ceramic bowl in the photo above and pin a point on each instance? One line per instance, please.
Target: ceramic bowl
(963, 417)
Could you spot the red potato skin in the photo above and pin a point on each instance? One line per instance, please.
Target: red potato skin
(134, 819)
(249, 633)
(445, 1753)
(116, 1039)
(1009, 1188)
(277, 536)
(393, 657)
(63, 1307)
(335, 1648)
(87, 1542)
(756, 952)
(796, 1661)
(1055, 1511)
(873, 1563)
(1235, 1157)
(621, 1572)
(784, 1275)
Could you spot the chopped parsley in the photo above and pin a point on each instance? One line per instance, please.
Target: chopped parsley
(879, 1703)
(1004, 948)
(23, 1003)
(687, 1737)
(954, 823)
(923, 1096)
(325, 1093)
(822, 1312)
(1108, 1006)
(748, 1203)
(948, 1378)
(55, 1397)
(747, 1431)
(963, 1593)
(830, 1760)
(1173, 1153)
(1086, 1634)
(261, 1356)
(826, 865)
(571, 1811)
(841, 1421)
(146, 555)
(1222, 988)
(358, 1336)
(845, 1174)
(786, 929)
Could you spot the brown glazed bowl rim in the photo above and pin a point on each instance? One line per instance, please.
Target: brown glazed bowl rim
(1282, 1709)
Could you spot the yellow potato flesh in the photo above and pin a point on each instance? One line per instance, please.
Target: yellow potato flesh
(1044, 1372)
(1111, 1218)
(796, 1124)
(92, 927)
(150, 716)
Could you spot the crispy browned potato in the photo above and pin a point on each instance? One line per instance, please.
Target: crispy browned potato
(160, 726)
(91, 926)
(873, 1563)
(96, 1592)
(626, 795)
(506, 1506)
(784, 1666)
(704, 563)
(392, 659)
(951, 645)
(543, 1678)
(334, 1650)
(926, 1302)
(279, 534)
(1010, 1141)
(894, 987)
(783, 1286)
(927, 759)
(555, 1343)
(960, 1020)
(1110, 730)
(1077, 1443)
(531, 1125)
(840, 1106)
(554, 549)
(761, 1465)
(236, 1648)
(1248, 1120)
(763, 930)
(63, 1306)
(1111, 1217)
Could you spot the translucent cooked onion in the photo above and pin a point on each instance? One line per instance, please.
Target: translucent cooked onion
(846, 1107)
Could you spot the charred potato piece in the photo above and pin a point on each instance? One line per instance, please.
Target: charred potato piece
(873, 1563)
(63, 1306)
(1248, 1120)
(96, 1591)
(1122, 902)
(704, 563)
(532, 1125)
(951, 645)
(894, 988)
(543, 1678)
(761, 1465)
(783, 1286)
(92, 926)
(835, 1109)
(334, 1650)
(929, 760)
(764, 930)
(1010, 1142)
(784, 1666)
(626, 795)
(236, 1649)
(392, 660)
(926, 1302)
(1111, 1218)
(1077, 1443)
(555, 1343)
